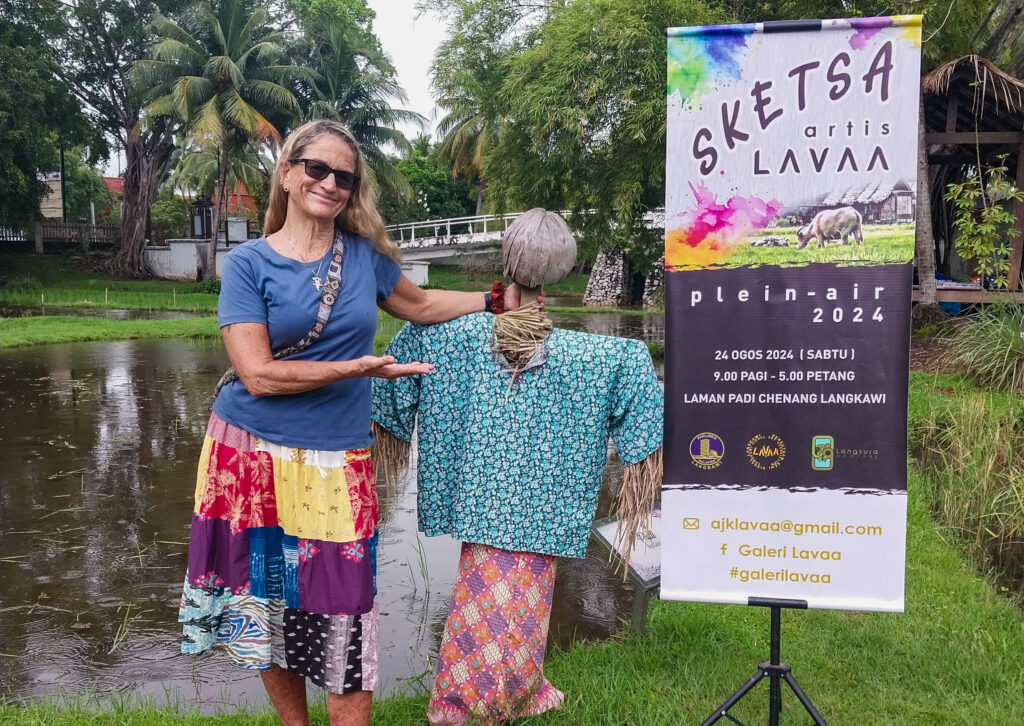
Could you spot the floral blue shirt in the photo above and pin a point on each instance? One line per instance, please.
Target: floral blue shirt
(518, 464)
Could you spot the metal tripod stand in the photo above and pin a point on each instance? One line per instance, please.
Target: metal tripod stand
(772, 669)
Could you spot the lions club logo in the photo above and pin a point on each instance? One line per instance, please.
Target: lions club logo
(766, 452)
(707, 450)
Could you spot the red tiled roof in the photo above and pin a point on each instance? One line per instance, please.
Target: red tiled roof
(114, 184)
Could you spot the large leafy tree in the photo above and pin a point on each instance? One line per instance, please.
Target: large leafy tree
(587, 118)
(355, 82)
(217, 73)
(436, 193)
(97, 42)
(37, 112)
(469, 70)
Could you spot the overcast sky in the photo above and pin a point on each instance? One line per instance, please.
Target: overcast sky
(411, 42)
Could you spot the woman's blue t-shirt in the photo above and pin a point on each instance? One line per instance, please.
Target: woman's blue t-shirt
(259, 285)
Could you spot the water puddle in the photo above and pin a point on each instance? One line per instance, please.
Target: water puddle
(98, 448)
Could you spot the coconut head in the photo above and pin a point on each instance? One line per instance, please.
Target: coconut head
(538, 249)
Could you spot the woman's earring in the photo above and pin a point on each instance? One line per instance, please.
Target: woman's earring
(285, 189)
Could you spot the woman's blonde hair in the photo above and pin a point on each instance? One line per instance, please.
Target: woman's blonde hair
(360, 215)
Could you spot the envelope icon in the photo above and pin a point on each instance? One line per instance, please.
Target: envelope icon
(691, 523)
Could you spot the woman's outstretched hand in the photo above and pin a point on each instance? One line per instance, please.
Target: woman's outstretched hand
(385, 367)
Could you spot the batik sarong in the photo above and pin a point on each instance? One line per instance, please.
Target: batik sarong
(282, 559)
(490, 665)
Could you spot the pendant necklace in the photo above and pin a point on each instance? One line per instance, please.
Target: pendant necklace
(317, 280)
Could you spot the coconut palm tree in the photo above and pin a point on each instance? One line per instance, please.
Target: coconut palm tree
(355, 83)
(196, 169)
(217, 72)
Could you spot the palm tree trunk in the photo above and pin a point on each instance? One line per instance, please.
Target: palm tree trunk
(210, 271)
(480, 196)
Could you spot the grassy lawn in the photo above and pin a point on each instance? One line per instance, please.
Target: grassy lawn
(64, 281)
(30, 280)
(882, 243)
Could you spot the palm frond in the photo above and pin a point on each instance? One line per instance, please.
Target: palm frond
(220, 66)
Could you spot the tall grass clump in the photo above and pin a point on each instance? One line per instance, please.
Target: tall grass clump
(990, 348)
(973, 472)
(23, 284)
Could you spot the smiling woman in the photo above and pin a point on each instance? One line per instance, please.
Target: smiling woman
(283, 538)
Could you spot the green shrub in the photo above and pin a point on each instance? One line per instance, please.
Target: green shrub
(973, 471)
(23, 283)
(990, 348)
(209, 287)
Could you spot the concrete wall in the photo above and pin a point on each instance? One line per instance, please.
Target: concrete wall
(180, 259)
(416, 271)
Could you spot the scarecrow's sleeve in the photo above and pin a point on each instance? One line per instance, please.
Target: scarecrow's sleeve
(394, 407)
(637, 412)
(637, 428)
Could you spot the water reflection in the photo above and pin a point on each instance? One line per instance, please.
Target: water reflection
(646, 327)
(98, 444)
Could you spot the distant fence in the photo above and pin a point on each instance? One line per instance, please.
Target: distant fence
(64, 234)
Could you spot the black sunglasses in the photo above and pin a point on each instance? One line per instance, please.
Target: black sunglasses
(318, 170)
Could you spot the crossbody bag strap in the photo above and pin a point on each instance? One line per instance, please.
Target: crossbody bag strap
(329, 295)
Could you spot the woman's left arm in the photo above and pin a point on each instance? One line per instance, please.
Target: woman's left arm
(411, 303)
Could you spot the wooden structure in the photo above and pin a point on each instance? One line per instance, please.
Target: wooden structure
(973, 113)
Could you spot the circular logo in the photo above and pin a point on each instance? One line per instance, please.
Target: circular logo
(766, 452)
(706, 450)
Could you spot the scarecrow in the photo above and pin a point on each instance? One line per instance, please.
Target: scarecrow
(512, 440)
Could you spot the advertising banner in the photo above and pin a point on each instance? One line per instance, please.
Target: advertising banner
(789, 241)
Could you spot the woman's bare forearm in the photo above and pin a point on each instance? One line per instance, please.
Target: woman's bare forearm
(248, 347)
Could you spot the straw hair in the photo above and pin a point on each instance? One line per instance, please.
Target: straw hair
(389, 453)
(641, 483)
(360, 215)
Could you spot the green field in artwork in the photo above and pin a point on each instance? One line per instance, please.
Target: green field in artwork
(883, 244)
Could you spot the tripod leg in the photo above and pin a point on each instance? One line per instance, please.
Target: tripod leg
(818, 720)
(733, 699)
(774, 700)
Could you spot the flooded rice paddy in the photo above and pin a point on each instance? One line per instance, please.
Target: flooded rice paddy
(98, 448)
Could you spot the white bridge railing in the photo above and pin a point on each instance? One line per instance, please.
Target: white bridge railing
(464, 230)
(455, 230)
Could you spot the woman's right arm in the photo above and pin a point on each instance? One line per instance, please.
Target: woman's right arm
(248, 346)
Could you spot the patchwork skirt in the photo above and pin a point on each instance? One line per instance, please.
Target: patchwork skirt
(490, 665)
(282, 559)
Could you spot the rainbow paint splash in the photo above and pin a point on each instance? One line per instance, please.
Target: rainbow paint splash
(711, 232)
(698, 64)
(867, 28)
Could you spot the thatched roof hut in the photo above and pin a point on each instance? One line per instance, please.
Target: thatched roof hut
(974, 113)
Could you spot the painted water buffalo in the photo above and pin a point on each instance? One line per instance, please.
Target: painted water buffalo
(832, 224)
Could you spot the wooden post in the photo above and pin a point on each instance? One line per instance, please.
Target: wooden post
(1017, 244)
(39, 238)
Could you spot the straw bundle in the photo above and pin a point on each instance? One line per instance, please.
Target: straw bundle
(518, 333)
(641, 483)
(389, 453)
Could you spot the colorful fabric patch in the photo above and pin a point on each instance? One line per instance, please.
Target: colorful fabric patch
(492, 671)
(248, 566)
